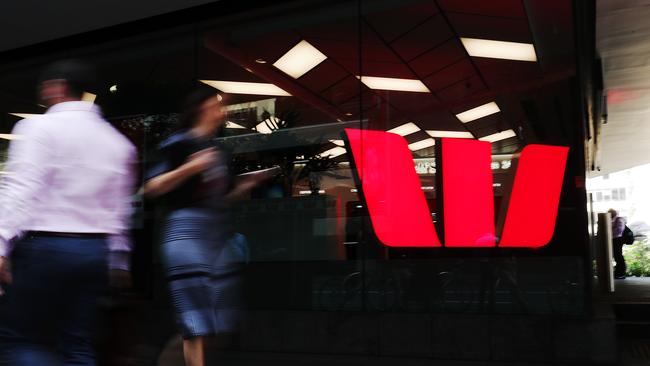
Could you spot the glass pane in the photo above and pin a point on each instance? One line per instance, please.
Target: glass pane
(302, 227)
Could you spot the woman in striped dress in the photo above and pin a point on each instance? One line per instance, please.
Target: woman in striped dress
(192, 180)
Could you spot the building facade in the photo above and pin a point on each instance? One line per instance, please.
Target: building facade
(321, 278)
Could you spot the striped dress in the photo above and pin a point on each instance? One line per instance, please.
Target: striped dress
(200, 264)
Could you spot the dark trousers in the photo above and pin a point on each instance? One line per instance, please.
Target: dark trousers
(617, 247)
(47, 315)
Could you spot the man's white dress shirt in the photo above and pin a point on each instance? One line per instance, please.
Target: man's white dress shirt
(68, 171)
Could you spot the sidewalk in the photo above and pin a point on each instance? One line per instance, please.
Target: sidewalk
(173, 357)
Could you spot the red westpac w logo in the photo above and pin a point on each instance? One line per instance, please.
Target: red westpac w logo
(398, 207)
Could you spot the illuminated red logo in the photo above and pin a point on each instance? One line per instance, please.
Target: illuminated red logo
(401, 217)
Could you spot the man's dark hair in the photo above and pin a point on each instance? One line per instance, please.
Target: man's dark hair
(79, 76)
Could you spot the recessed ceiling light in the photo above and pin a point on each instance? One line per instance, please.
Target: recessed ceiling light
(113, 88)
(408, 85)
(478, 112)
(89, 97)
(260, 61)
(240, 87)
(422, 144)
(300, 59)
(25, 115)
(332, 153)
(405, 129)
(234, 125)
(348, 114)
(499, 136)
(451, 134)
(499, 49)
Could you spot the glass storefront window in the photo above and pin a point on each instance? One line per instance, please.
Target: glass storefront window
(297, 82)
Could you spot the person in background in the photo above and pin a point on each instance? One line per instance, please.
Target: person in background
(618, 226)
(192, 183)
(65, 204)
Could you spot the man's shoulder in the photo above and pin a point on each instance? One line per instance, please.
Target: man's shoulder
(34, 125)
(119, 138)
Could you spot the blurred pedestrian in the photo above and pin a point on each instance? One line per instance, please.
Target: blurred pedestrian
(64, 210)
(618, 227)
(192, 180)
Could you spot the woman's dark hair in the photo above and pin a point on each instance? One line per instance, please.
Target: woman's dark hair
(192, 105)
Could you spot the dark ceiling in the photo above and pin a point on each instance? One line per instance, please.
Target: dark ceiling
(401, 39)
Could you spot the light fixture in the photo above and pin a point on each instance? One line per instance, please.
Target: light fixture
(499, 49)
(321, 191)
(499, 136)
(332, 153)
(407, 85)
(89, 97)
(300, 59)
(234, 125)
(25, 115)
(113, 88)
(422, 144)
(451, 134)
(478, 112)
(260, 61)
(405, 129)
(241, 87)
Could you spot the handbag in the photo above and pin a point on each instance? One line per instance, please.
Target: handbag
(628, 236)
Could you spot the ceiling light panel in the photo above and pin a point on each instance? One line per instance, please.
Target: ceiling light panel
(25, 115)
(300, 59)
(478, 112)
(499, 49)
(407, 85)
(499, 136)
(451, 134)
(405, 129)
(230, 124)
(9, 136)
(89, 97)
(422, 144)
(241, 87)
(263, 127)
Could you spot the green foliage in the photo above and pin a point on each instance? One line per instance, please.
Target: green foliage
(637, 258)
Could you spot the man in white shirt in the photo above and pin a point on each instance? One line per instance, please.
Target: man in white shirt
(64, 211)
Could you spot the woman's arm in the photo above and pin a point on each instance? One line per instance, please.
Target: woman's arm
(245, 184)
(166, 182)
(242, 188)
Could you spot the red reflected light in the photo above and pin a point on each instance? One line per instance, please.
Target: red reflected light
(399, 211)
(467, 193)
(535, 197)
(391, 187)
(619, 96)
